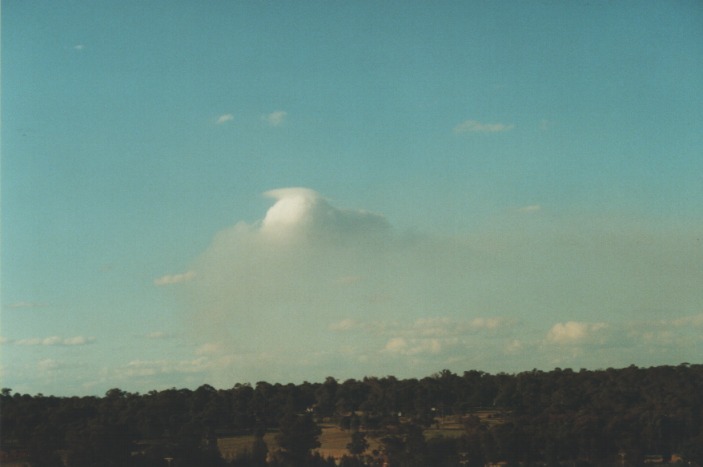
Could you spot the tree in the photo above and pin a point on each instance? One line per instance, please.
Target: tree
(298, 435)
(259, 450)
(358, 444)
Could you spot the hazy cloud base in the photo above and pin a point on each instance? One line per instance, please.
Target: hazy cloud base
(313, 289)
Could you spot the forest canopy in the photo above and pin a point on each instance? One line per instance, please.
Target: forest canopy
(595, 417)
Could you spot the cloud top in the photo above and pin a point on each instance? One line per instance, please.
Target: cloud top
(302, 209)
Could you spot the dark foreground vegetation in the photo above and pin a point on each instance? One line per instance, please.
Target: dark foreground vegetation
(628, 416)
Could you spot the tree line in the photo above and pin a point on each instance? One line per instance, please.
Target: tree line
(591, 417)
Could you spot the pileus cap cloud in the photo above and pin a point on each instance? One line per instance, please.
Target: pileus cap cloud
(303, 208)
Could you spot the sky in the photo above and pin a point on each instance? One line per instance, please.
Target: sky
(227, 192)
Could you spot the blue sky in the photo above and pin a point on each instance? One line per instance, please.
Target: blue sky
(233, 191)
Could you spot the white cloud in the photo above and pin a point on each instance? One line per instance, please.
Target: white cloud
(56, 341)
(396, 344)
(276, 118)
(78, 47)
(474, 126)
(311, 275)
(302, 209)
(224, 118)
(573, 332)
(170, 279)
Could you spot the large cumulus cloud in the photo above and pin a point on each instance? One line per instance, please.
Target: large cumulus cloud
(313, 289)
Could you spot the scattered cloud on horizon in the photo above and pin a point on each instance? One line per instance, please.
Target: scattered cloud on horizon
(52, 341)
(474, 126)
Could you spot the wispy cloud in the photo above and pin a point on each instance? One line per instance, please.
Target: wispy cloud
(530, 208)
(224, 119)
(158, 335)
(170, 279)
(19, 305)
(276, 118)
(56, 341)
(48, 364)
(474, 126)
(209, 348)
(344, 325)
(692, 321)
(78, 47)
(403, 346)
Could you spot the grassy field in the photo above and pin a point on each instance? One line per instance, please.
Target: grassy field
(334, 440)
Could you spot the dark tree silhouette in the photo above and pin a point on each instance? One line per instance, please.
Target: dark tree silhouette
(298, 436)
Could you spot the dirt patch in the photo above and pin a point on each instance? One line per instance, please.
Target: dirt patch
(333, 443)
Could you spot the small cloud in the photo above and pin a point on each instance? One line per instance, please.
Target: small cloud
(170, 279)
(573, 332)
(515, 346)
(47, 364)
(489, 323)
(344, 325)
(402, 346)
(224, 119)
(396, 345)
(78, 47)
(208, 348)
(545, 124)
(158, 335)
(5, 340)
(530, 209)
(276, 118)
(474, 126)
(148, 368)
(56, 341)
